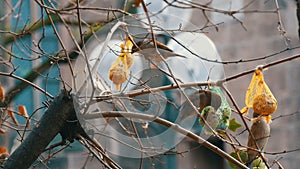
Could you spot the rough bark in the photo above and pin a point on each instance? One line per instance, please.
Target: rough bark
(48, 127)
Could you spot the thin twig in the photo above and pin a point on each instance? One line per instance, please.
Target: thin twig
(27, 82)
(186, 85)
(244, 122)
(262, 66)
(281, 29)
(286, 115)
(138, 92)
(170, 125)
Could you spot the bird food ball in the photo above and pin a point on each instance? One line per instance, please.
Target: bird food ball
(264, 104)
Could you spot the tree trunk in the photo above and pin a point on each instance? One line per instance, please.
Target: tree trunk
(43, 133)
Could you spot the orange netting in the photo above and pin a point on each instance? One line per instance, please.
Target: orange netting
(259, 96)
(119, 71)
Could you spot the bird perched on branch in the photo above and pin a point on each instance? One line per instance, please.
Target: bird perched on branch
(119, 71)
(260, 130)
(154, 54)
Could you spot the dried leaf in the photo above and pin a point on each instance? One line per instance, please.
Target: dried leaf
(4, 156)
(3, 153)
(137, 3)
(12, 116)
(23, 111)
(2, 94)
(127, 47)
(3, 150)
(2, 131)
(253, 88)
(244, 110)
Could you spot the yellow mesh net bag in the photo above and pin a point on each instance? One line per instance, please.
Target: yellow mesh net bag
(259, 96)
(119, 71)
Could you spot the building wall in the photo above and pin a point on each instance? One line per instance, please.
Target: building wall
(262, 38)
(234, 42)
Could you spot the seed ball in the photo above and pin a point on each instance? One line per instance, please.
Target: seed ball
(264, 104)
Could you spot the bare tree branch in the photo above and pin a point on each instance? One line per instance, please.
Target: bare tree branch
(47, 128)
(298, 15)
(170, 125)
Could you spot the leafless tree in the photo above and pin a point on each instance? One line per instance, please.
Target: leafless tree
(158, 105)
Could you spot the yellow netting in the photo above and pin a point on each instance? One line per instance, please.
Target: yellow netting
(119, 71)
(259, 96)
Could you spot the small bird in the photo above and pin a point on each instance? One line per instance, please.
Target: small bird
(261, 132)
(147, 49)
(119, 71)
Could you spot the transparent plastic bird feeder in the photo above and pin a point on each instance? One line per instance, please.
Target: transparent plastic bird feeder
(94, 92)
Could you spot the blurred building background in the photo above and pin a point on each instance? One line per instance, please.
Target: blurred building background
(263, 38)
(260, 38)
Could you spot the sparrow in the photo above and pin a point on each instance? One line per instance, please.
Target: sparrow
(147, 49)
(119, 71)
(261, 132)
